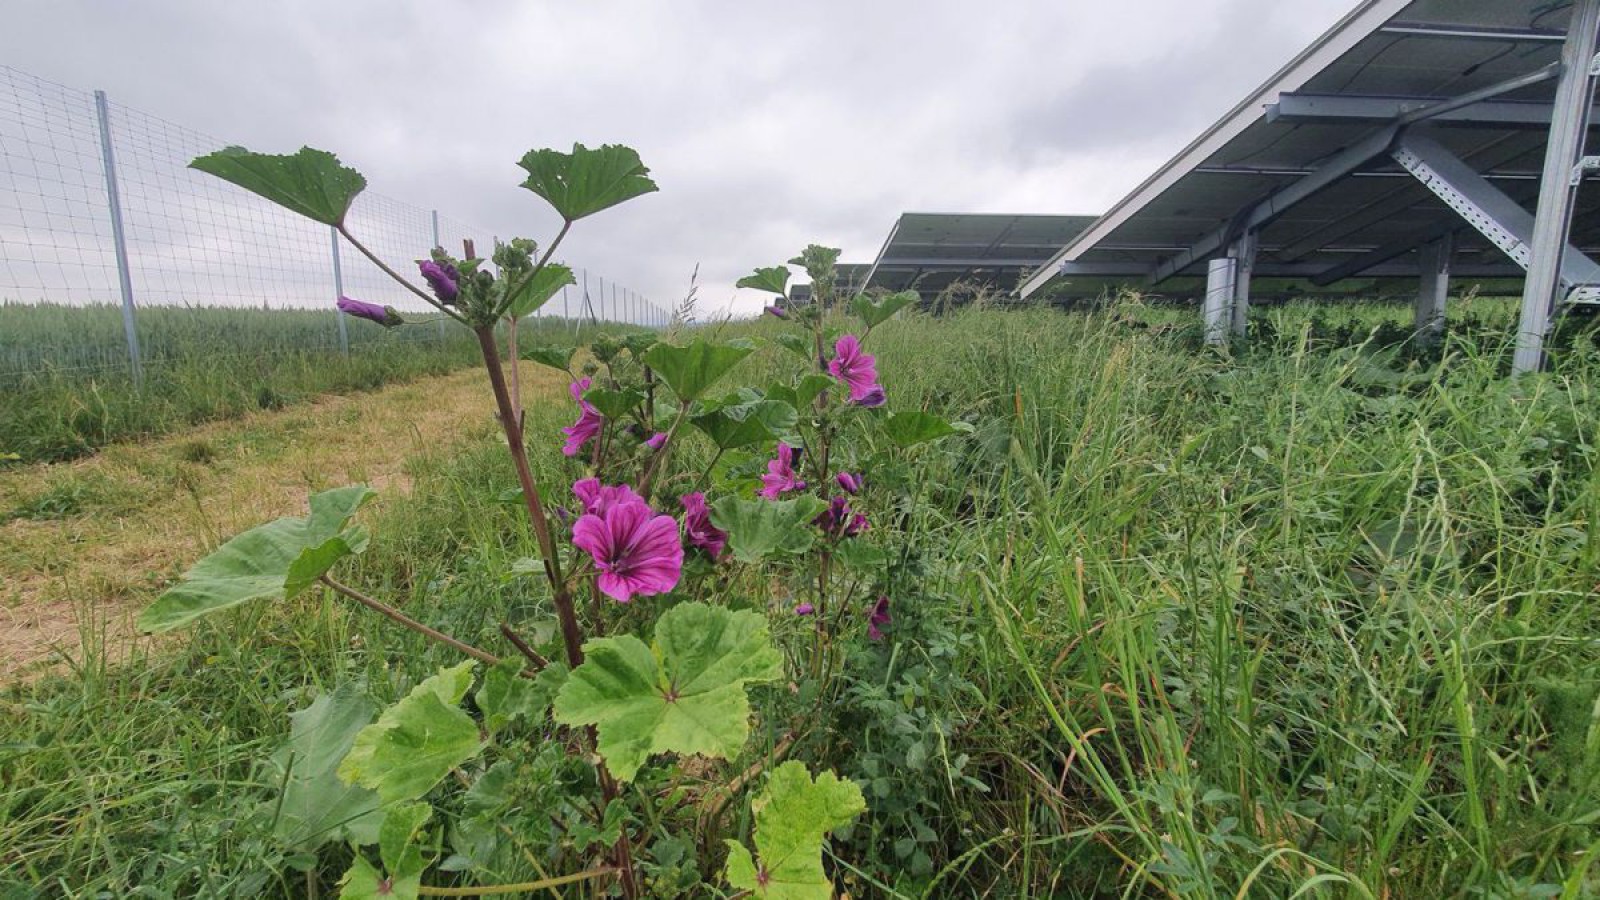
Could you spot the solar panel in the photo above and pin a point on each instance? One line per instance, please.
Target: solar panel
(1406, 125)
(929, 252)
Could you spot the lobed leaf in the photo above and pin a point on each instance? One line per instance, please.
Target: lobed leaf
(584, 182)
(505, 695)
(914, 427)
(793, 817)
(315, 806)
(310, 182)
(554, 357)
(773, 280)
(537, 291)
(758, 528)
(614, 404)
(740, 424)
(875, 314)
(417, 741)
(684, 693)
(278, 559)
(691, 370)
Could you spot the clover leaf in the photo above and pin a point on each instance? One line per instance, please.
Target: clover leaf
(793, 817)
(278, 559)
(683, 693)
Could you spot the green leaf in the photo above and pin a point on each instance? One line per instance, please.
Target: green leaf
(909, 428)
(554, 357)
(773, 280)
(363, 882)
(859, 554)
(684, 693)
(505, 695)
(757, 528)
(278, 559)
(793, 817)
(810, 386)
(751, 422)
(614, 404)
(584, 182)
(397, 837)
(875, 314)
(316, 807)
(691, 370)
(538, 290)
(417, 741)
(310, 182)
(798, 344)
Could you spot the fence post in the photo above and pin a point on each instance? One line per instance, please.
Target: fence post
(436, 243)
(338, 291)
(118, 239)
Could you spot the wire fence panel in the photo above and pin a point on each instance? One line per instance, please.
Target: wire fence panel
(195, 241)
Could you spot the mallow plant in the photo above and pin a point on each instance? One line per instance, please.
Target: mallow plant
(615, 755)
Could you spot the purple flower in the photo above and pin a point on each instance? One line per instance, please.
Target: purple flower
(857, 370)
(804, 609)
(878, 618)
(442, 278)
(636, 551)
(597, 497)
(873, 398)
(780, 478)
(372, 312)
(589, 420)
(838, 521)
(656, 441)
(697, 525)
(850, 483)
(777, 312)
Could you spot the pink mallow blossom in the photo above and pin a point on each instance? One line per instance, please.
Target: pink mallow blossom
(781, 478)
(597, 497)
(851, 484)
(697, 525)
(804, 609)
(878, 619)
(858, 370)
(838, 521)
(636, 551)
(589, 420)
(656, 441)
(442, 278)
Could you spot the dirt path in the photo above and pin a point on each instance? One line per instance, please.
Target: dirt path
(90, 543)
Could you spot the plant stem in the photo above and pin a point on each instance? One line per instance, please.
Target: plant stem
(397, 276)
(520, 888)
(571, 634)
(657, 457)
(400, 617)
(523, 647)
(516, 368)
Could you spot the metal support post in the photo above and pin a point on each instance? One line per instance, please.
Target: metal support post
(1219, 296)
(118, 238)
(1243, 250)
(338, 291)
(1433, 288)
(1568, 125)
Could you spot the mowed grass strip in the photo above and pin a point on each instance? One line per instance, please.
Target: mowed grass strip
(84, 545)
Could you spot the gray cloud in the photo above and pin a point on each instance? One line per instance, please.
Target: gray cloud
(767, 126)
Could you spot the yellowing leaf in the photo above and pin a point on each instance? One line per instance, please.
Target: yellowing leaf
(417, 741)
(793, 817)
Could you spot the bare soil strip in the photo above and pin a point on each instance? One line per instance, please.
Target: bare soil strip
(99, 538)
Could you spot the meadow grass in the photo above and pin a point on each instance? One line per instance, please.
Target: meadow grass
(1312, 619)
(66, 387)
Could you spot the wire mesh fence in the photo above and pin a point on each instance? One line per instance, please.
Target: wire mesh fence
(99, 208)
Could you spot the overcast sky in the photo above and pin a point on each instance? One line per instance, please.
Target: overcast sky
(768, 126)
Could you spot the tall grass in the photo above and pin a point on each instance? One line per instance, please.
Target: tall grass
(66, 387)
(1306, 621)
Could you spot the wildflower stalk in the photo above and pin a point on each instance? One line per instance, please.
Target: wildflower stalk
(511, 423)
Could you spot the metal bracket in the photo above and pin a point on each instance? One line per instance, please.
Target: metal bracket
(1497, 217)
(1585, 165)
